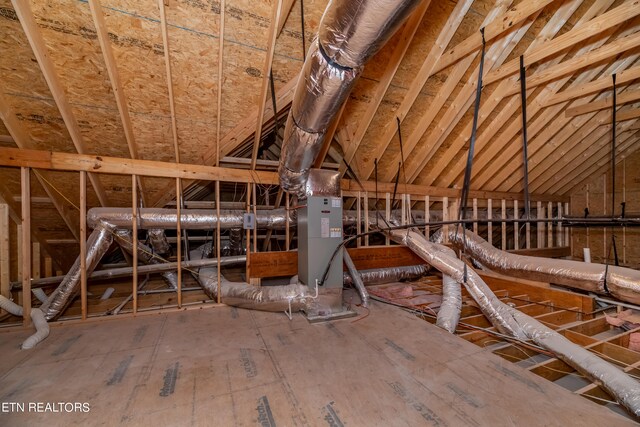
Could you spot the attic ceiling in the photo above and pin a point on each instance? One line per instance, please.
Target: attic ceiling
(60, 61)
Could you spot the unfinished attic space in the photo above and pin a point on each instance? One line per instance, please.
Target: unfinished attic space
(320, 212)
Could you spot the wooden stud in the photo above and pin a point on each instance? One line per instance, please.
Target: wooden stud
(266, 72)
(504, 225)
(387, 213)
(550, 225)
(36, 261)
(167, 63)
(366, 218)
(540, 226)
(445, 217)
(5, 265)
(475, 215)
(179, 238)
(19, 247)
(248, 232)
(560, 231)
(218, 142)
(490, 224)
(286, 9)
(358, 220)
(25, 185)
(40, 50)
(134, 219)
(48, 266)
(528, 232)
(255, 214)
(577, 34)
(83, 244)
(516, 226)
(629, 114)
(403, 209)
(286, 239)
(427, 216)
(604, 83)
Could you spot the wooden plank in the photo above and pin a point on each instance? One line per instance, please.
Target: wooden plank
(48, 266)
(497, 27)
(555, 252)
(475, 215)
(167, 63)
(285, 263)
(134, 216)
(266, 72)
(36, 261)
(83, 244)
(503, 225)
(629, 114)
(179, 238)
(25, 185)
(622, 98)
(114, 165)
(5, 272)
(25, 14)
(490, 224)
(598, 85)
(516, 226)
(577, 34)
(284, 15)
(550, 225)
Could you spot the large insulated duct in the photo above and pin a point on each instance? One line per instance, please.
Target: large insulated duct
(356, 279)
(522, 327)
(98, 243)
(350, 33)
(380, 276)
(623, 283)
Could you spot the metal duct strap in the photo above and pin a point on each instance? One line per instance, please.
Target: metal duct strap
(350, 33)
(98, 243)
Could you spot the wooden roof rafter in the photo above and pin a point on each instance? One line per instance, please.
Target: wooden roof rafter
(622, 98)
(449, 168)
(114, 77)
(27, 19)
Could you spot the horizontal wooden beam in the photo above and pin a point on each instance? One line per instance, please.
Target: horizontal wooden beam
(622, 98)
(608, 20)
(13, 157)
(560, 252)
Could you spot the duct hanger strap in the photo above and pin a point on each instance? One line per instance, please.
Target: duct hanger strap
(613, 149)
(525, 154)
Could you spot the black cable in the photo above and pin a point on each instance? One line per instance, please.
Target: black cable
(395, 188)
(613, 150)
(525, 155)
(273, 102)
(375, 168)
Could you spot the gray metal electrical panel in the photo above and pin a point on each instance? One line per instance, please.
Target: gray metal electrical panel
(319, 234)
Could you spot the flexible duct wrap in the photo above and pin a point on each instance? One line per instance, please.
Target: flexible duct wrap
(98, 243)
(449, 312)
(42, 329)
(356, 279)
(623, 283)
(380, 276)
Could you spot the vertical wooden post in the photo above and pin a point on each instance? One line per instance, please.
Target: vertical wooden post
(604, 211)
(560, 231)
(504, 225)
(48, 266)
(248, 234)
(408, 197)
(35, 261)
(624, 200)
(358, 221)
(445, 217)
(567, 230)
(25, 184)
(475, 215)
(83, 244)
(179, 237)
(427, 216)
(540, 225)
(527, 228)
(5, 265)
(490, 224)
(550, 224)
(255, 214)
(366, 218)
(516, 226)
(286, 231)
(218, 238)
(403, 209)
(19, 249)
(134, 216)
(588, 207)
(387, 213)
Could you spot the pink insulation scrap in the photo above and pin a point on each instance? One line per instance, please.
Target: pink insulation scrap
(392, 292)
(634, 341)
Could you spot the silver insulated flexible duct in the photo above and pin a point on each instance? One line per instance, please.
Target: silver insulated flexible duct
(350, 33)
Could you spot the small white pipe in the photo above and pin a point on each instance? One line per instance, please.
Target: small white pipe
(587, 254)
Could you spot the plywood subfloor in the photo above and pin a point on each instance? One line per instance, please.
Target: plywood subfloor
(225, 366)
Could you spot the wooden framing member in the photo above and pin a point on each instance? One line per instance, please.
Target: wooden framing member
(628, 114)
(284, 15)
(427, 216)
(266, 72)
(550, 225)
(30, 27)
(577, 34)
(134, 239)
(621, 98)
(490, 224)
(511, 18)
(475, 215)
(83, 244)
(218, 134)
(114, 77)
(25, 183)
(503, 225)
(5, 265)
(167, 62)
(516, 226)
(22, 140)
(179, 238)
(604, 83)
(14, 157)
(36, 261)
